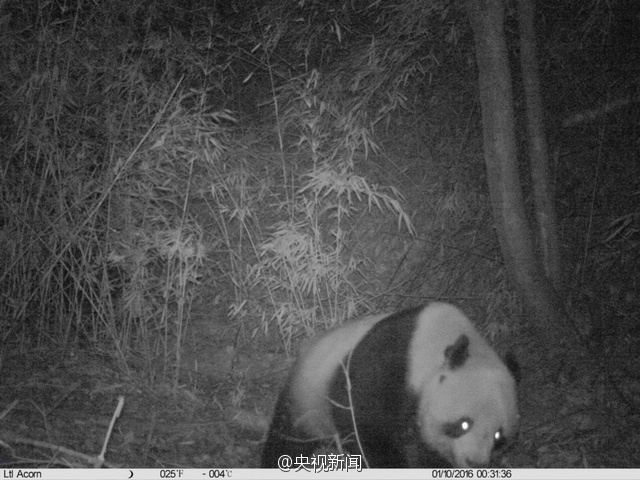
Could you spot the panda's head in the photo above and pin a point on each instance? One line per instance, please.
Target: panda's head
(469, 407)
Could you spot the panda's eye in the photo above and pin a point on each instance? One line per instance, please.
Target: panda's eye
(499, 439)
(457, 429)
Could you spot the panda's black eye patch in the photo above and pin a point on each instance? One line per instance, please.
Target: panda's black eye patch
(499, 439)
(458, 428)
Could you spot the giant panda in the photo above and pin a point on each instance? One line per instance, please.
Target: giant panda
(421, 388)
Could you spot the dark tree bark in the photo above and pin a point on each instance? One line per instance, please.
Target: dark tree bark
(501, 158)
(543, 187)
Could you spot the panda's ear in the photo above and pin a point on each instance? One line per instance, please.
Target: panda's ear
(514, 367)
(456, 354)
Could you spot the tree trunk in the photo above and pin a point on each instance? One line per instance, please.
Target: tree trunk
(500, 153)
(543, 188)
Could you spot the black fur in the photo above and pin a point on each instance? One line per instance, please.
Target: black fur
(458, 353)
(513, 365)
(377, 373)
(284, 437)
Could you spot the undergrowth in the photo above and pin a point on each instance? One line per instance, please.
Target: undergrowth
(105, 153)
(115, 123)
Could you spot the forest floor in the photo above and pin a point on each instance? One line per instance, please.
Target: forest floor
(58, 406)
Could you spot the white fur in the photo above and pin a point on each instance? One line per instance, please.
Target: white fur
(311, 380)
(482, 389)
